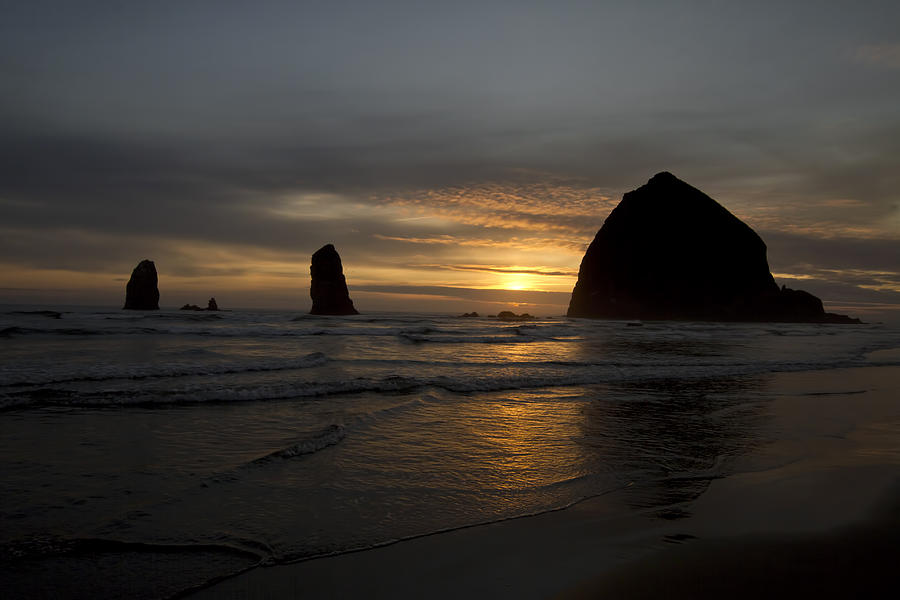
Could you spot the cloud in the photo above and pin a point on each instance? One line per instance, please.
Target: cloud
(236, 141)
(492, 296)
(860, 273)
(549, 206)
(504, 270)
(530, 244)
(885, 55)
(791, 252)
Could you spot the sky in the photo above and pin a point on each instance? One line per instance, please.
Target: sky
(459, 155)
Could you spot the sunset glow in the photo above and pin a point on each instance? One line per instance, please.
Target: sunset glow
(440, 191)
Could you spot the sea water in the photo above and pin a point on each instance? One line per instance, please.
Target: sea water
(146, 453)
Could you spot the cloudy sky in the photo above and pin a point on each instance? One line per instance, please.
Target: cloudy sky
(460, 155)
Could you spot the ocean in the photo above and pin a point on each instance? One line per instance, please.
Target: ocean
(146, 454)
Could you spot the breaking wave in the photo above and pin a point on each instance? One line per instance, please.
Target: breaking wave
(99, 372)
(330, 436)
(484, 381)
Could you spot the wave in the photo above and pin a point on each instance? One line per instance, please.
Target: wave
(250, 331)
(470, 339)
(414, 334)
(19, 376)
(249, 325)
(412, 330)
(382, 414)
(52, 314)
(47, 546)
(330, 436)
(225, 391)
(165, 316)
(18, 331)
(50, 396)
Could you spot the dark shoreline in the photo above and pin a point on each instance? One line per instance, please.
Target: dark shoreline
(854, 562)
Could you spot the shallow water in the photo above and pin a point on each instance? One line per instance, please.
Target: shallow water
(237, 438)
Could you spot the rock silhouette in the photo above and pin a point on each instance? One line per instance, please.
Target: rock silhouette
(211, 305)
(508, 315)
(141, 291)
(669, 251)
(328, 287)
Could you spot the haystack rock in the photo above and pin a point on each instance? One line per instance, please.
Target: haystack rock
(329, 287)
(141, 291)
(669, 251)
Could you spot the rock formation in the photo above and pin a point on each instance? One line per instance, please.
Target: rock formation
(508, 315)
(211, 305)
(669, 251)
(141, 292)
(328, 288)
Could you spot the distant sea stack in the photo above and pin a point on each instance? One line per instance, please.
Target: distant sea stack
(329, 287)
(141, 291)
(669, 251)
(211, 305)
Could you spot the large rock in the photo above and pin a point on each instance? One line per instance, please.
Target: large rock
(669, 251)
(329, 287)
(141, 291)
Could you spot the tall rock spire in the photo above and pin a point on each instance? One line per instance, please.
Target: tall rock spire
(328, 287)
(141, 291)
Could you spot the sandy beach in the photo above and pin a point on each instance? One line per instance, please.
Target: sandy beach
(812, 511)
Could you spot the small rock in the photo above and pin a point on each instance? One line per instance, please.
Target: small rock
(507, 315)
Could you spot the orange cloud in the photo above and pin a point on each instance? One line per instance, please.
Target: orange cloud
(565, 245)
(543, 271)
(879, 55)
(548, 206)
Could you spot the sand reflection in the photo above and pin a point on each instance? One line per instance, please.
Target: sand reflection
(674, 436)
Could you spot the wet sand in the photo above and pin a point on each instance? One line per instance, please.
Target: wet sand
(813, 511)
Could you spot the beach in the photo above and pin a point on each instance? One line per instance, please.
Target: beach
(274, 454)
(812, 512)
